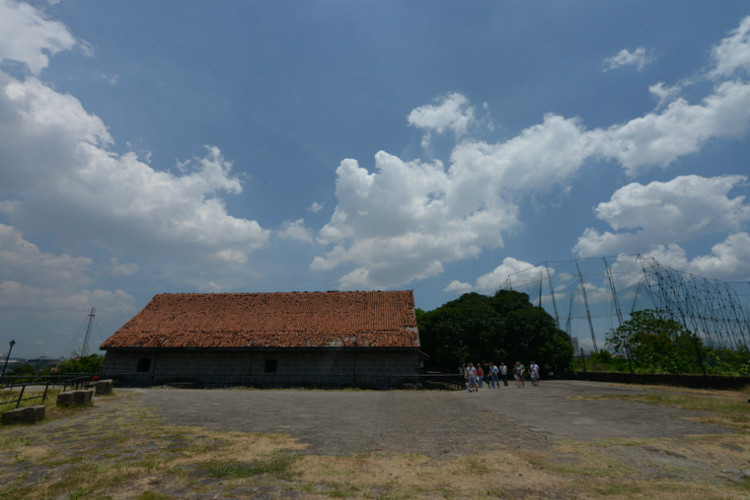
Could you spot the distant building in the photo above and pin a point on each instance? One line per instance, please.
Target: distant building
(574, 341)
(326, 339)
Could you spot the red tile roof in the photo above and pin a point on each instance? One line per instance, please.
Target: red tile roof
(272, 320)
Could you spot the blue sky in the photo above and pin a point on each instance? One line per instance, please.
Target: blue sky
(196, 146)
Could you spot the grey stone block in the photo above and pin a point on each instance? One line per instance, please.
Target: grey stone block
(27, 415)
(103, 387)
(75, 398)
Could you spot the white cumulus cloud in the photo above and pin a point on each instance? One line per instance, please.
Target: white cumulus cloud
(296, 230)
(403, 220)
(732, 53)
(638, 58)
(109, 198)
(28, 37)
(503, 274)
(683, 209)
(452, 112)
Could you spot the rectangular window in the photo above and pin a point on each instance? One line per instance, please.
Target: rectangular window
(272, 365)
(144, 364)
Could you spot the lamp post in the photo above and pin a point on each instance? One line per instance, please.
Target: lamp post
(5, 365)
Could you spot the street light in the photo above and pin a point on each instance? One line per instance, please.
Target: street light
(5, 365)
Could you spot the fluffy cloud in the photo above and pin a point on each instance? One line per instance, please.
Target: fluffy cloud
(659, 138)
(28, 37)
(539, 158)
(638, 58)
(733, 53)
(729, 260)
(424, 215)
(295, 230)
(452, 112)
(404, 220)
(683, 209)
(502, 274)
(60, 176)
(111, 199)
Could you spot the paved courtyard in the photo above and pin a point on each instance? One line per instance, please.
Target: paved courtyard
(435, 423)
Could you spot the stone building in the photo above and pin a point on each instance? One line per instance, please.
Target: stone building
(297, 339)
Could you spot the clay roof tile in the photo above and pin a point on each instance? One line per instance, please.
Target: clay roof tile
(278, 320)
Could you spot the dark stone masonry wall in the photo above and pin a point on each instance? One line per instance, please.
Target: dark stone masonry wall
(332, 367)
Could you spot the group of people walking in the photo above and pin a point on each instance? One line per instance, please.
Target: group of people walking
(491, 374)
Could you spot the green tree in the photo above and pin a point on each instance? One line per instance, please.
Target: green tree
(504, 327)
(657, 344)
(82, 364)
(733, 362)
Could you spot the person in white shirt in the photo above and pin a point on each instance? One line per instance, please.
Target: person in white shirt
(534, 373)
(504, 373)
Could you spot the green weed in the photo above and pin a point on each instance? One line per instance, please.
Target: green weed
(277, 463)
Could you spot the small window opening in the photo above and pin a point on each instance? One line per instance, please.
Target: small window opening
(272, 365)
(144, 364)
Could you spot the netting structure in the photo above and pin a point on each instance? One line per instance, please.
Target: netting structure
(590, 297)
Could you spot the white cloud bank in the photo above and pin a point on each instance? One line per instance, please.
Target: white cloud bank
(396, 224)
(115, 198)
(59, 173)
(404, 220)
(683, 209)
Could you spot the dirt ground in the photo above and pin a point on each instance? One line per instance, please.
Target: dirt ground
(563, 439)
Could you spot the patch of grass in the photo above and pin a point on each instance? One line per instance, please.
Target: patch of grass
(123, 451)
(9, 443)
(474, 466)
(731, 407)
(333, 489)
(150, 495)
(277, 463)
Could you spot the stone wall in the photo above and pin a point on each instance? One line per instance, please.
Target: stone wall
(368, 368)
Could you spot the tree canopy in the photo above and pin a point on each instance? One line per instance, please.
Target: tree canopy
(657, 344)
(504, 327)
(82, 364)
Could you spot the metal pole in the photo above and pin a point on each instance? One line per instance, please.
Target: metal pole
(698, 353)
(5, 365)
(583, 359)
(630, 363)
(586, 303)
(85, 348)
(552, 293)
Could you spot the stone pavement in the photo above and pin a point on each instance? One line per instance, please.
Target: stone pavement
(434, 423)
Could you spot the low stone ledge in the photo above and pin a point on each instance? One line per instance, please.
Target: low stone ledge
(27, 415)
(103, 387)
(75, 398)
